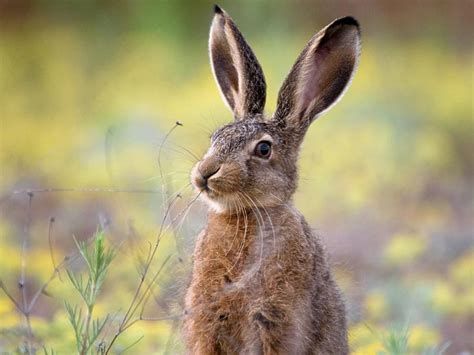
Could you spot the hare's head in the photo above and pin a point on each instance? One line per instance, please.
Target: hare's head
(252, 161)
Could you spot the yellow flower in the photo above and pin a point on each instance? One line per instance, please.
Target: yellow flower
(444, 298)
(404, 248)
(465, 304)
(421, 336)
(10, 259)
(376, 305)
(462, 270)
(10, 320)
(6, 306)
(360, 335)
(9, 315)
(373, 348)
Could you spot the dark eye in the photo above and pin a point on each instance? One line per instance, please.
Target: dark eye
(263, 149)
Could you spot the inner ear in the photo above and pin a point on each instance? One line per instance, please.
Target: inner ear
(236, 69)
(224, 68)
(327, 71)
(320, 75)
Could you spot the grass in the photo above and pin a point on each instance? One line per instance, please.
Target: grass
(87, 328)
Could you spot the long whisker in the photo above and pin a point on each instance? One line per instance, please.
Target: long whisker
(177, 193)
(241, 208)
(271, 193)
(186, 155)
(186, 150)
(163, 185)
(271, 224)
(279, 199)
(237, 229)
(177, 230)
(181, 214)
(187, 207)
(261, 225)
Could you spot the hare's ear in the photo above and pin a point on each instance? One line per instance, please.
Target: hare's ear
(320, 75)
(235, 67)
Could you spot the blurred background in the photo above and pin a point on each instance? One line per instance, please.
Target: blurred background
(90, 89)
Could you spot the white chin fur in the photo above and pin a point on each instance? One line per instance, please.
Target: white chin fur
(213, 204)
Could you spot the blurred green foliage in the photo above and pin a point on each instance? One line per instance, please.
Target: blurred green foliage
(89, 89)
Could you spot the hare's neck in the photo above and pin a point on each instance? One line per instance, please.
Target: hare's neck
(234, 243)
(232, 225)
(231, 230)
(230, 242)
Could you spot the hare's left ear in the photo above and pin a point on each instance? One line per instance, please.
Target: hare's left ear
(320, 75)
(235, 67)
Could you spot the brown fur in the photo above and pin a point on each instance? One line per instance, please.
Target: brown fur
(287, 305)
(261, 281)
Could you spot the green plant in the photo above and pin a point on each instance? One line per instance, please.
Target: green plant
(396, 341)
(97, 258)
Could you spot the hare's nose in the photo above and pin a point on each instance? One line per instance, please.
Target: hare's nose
(208, 173)
(206, 170)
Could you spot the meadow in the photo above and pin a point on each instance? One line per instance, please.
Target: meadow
(92, 158)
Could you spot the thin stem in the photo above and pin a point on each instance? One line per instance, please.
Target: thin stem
(134, 305)
(85, 335)
(85, 189)
(50, 244)
(22, 281)
(148, 288)
(147, 267)
(51, 278)
(163, 187)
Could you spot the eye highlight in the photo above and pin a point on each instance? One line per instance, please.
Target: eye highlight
(263, 149)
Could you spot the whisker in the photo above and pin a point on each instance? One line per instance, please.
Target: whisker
(177, 193)
(236, 231)
(273, 228)
(261, 225)
(189, 157)
(186, 150)
(241, 207)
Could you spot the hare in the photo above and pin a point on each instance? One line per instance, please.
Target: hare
(261, 282)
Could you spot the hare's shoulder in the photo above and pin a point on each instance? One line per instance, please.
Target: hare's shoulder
(300, 248)
(293, 228)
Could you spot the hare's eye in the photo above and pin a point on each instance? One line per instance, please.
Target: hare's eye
(263, 149)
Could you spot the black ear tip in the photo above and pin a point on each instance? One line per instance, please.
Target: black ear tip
(217, 9)
(348, 20)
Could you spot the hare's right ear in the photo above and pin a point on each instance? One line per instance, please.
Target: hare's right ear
(235, 67)
(320, 75)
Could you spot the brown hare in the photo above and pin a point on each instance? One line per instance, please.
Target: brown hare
(261, 282)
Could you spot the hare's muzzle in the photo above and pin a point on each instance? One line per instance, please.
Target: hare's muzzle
(204, 171)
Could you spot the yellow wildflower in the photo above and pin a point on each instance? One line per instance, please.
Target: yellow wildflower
(422, 337)
(404, 248)
(462, 270)
(376, 305)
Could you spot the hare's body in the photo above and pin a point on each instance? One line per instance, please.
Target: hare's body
(261, 281)
(264, 289)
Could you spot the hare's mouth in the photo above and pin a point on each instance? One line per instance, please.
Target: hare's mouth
(210, 192)
(221, 203)
(216, 186)
(217, 195)
(214, 193)
(204, 189)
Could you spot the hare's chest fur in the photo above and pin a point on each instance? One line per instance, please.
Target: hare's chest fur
(254, 274)
(245, 254)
